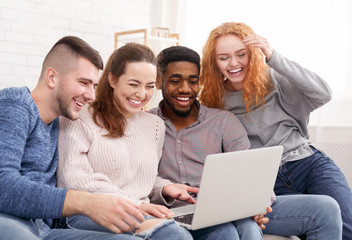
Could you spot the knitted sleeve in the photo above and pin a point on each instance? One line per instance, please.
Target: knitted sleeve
(24, 188)
(156, 194)
(74, 168)
(302, 90)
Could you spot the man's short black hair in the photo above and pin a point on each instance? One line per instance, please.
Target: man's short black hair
(177, 54)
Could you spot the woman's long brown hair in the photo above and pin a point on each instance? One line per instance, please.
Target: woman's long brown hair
(106, 110)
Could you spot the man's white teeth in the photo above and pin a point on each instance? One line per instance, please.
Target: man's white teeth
(183, 98)
(79, 103)
(135, 101)
(236, 70)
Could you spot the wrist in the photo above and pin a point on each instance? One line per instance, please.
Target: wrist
(165, 195)
(75, 203)
(164, 191)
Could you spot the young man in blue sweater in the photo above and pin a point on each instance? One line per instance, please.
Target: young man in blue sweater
(29, 122)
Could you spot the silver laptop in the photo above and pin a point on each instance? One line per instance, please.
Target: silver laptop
(234, 185)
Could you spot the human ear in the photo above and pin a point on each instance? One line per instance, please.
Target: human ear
(112, 80)
(158, 83)
(50, 77)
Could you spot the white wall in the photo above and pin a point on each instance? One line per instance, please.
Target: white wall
(317, 37)
(29, 28)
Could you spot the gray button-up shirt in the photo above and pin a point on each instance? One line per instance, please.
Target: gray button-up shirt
(184, 152)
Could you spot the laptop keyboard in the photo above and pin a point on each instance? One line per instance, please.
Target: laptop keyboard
(187, 218)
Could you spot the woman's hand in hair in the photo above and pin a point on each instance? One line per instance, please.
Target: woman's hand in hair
(259, 42)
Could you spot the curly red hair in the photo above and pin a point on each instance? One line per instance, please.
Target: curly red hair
(256, 83)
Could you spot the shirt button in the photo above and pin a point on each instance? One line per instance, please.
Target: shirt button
(180, 163)
(178, 141)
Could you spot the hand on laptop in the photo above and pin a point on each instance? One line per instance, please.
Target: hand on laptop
(155, 210)
(180, 192)
(261, 220)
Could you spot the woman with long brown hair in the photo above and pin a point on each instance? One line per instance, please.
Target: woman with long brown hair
(114, 147)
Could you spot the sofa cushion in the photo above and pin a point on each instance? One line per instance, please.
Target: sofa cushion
(272, 237)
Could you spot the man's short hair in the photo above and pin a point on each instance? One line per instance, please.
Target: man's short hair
(176, 54)
(67, 50)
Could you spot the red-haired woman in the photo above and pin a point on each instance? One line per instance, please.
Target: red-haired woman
(273, 98)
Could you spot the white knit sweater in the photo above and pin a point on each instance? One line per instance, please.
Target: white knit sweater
(126, 166)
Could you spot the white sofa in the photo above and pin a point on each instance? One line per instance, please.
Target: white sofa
(272, 237)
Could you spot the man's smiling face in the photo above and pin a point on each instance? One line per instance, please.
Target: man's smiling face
(180, 87)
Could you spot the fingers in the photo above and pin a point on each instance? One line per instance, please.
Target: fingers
(131, 221)
(125, 218)
(269, 209)
(180, 192)
(126, 224)
(134, 211)
(264, 220)
(158, 211)
(192, 200)
(261, 221)
(254, 39)
(165, 213)
(262, 226)
(116, 214)
(186, 198)
(119, 224)
(113, 228)
(193, 189)
(259, 42)
(143, 212)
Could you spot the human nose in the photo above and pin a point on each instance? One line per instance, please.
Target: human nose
(89, 95)
(233, 61)
(141, 92)
(185, 88)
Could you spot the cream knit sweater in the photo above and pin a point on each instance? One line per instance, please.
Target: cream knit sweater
(126, 166)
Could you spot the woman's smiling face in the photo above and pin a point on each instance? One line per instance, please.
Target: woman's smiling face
(232, 60)
(135, 87)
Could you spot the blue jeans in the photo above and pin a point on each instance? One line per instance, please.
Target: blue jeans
(14, 228)
(248, 229)
(318, 174)
(316, 216)
(244, 229)
(168, 229)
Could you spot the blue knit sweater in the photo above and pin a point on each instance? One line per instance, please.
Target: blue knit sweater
(28, 158)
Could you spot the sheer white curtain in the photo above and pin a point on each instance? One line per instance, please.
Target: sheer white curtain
(315, 33)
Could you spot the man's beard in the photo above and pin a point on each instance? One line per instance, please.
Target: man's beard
(64, 107)
(178, 113)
